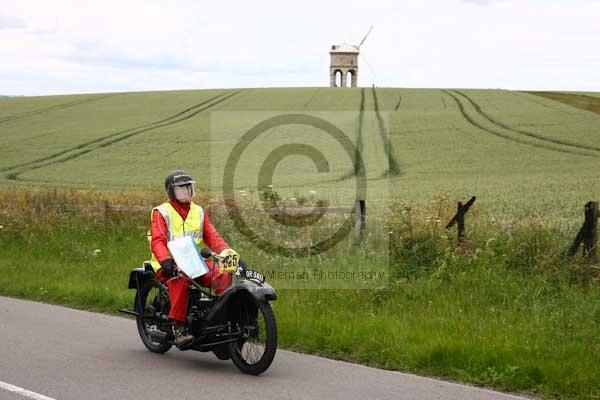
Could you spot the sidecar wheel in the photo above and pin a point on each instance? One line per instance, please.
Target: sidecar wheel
(153, 300)
(254, 352)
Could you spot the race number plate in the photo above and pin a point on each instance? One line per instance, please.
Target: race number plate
(255, 276)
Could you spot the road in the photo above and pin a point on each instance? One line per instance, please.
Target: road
(66, 354)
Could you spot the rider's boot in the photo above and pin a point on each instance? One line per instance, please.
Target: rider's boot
(182, 337)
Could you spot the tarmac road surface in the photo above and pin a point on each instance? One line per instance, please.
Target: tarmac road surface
(50, 352)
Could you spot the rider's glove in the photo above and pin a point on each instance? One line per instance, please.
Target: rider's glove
(168, 268)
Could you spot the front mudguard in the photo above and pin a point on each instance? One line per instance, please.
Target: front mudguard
(263, 293)
(137, 279)
(138, 276)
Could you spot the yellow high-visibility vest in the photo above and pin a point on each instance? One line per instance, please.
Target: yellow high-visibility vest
(192, 226)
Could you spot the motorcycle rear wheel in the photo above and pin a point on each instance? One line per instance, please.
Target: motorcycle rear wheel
(153, 300)
(254, 353)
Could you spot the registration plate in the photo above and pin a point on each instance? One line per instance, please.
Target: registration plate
(255, 276)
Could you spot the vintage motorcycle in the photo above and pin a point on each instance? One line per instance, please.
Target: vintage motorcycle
(237, 324)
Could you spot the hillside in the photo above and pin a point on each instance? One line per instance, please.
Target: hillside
(505, 309)
(517, 151)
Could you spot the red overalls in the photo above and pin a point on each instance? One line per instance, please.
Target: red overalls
(179, 286)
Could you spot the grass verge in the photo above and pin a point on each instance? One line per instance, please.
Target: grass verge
(506, 311)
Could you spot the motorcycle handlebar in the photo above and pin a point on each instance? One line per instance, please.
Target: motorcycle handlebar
(208, 253)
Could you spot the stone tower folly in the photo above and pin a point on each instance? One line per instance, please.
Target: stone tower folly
(343, 69)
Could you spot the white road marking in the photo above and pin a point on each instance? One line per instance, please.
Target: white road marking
(23, 392)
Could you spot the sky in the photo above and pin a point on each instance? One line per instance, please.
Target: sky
(59, 46)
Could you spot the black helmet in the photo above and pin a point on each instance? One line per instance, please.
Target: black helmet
(177, 178)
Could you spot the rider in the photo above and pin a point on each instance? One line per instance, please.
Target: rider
(177, 217)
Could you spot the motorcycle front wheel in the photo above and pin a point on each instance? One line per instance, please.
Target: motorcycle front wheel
(152, 332)
(253, 353)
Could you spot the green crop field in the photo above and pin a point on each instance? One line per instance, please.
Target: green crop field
(519, 153)
(506, 309)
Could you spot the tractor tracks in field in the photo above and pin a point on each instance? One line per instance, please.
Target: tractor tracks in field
(393, 168)
(105, 141)
(398, 103)
(82, 146)
(358, 148)
(524, 132)
(476, 117)
(310, 100)
(56, 107)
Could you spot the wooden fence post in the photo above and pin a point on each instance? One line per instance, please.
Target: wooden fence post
(360, 211)
(590, 236)
(459, 218)
(460, 221)
(105, 206)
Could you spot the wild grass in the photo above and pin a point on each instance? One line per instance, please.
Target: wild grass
(506, 310)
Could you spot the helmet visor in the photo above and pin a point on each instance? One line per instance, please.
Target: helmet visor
(184, 192)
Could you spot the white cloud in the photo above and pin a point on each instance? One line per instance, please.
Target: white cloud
(10, 22)
(76, 46)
